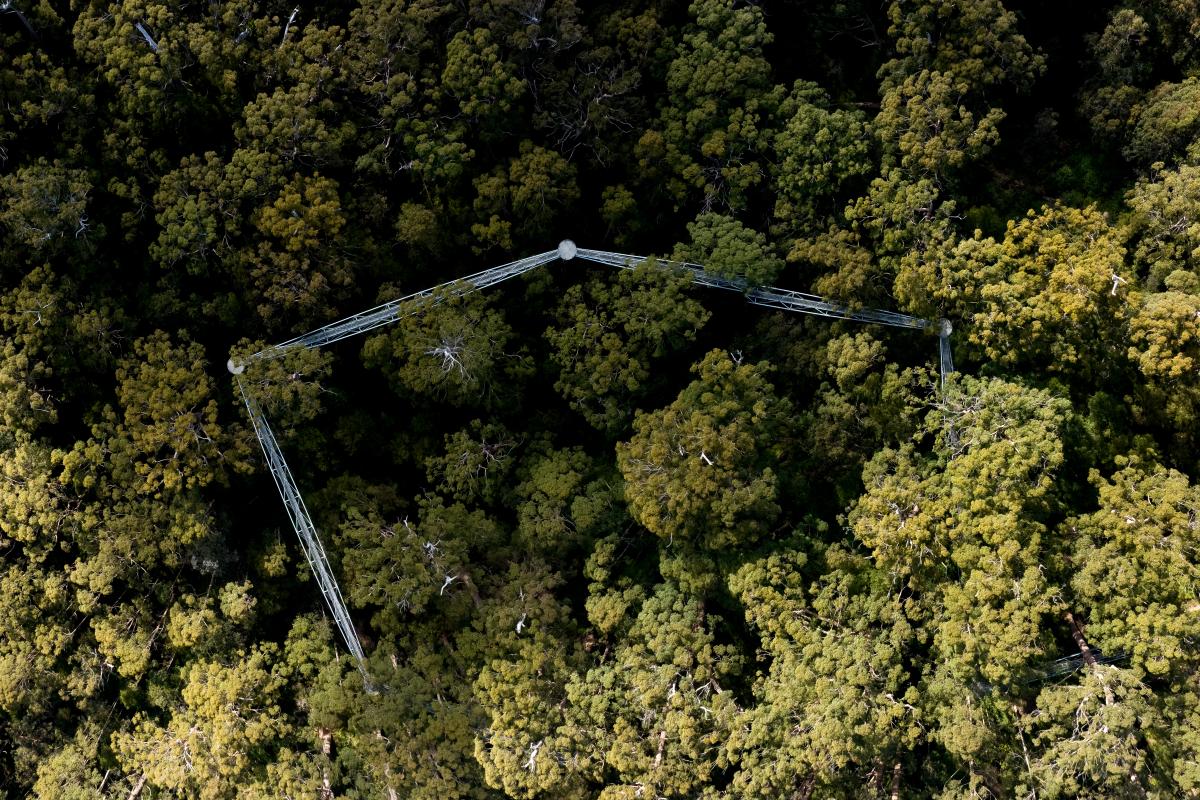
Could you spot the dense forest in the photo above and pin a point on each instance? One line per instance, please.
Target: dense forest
(603, 534)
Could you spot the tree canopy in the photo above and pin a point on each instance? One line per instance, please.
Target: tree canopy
(603, 534)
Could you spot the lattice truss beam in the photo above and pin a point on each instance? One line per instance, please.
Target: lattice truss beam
(387, 313)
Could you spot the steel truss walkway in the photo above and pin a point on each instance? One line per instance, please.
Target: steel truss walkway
(387, 313)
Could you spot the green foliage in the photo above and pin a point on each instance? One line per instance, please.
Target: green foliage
(551, 483)
(965, 532)
(40, 94)
(288, 125)
(1119, 49)
(522, 749)
(1164, 223)
(416, 738)
(703, 468)
(1137, 566)
(863, 402)
(522, 746)
(296, 266)
(1096, 738)
(449, 346)
(524, 199)
(820, 150)
(657, 710)
(1053, 292)
(70, 773)
(34, 510)
(925, 125)
(936, 117)
(475, 462)
(404, 566)
(810, 568)
(227, 713)
(166, 437)
(1164, 338)
(45, 207)
(1167, 124)
(1058, 290)
(1164, 335)
(833, 701)
(485, 86)
(35, 637)
(717, 123)
(168, 418)
(727, 248)
(24, 404)
(200, 206)
(978, 42)
(288, 388)
(1175, 26)
(610, 336)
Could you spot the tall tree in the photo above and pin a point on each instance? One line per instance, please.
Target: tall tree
(610, 334)
(661, 707)
(451, 346)
(715, 131)
(834, 709)
(703, 469)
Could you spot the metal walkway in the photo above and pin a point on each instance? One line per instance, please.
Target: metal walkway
(387, 313)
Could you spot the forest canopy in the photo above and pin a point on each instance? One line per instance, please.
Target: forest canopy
(604, 535)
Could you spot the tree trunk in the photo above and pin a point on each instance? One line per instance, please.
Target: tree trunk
(1077, 634)
(326, 737)
(1020, 713)
(662, 743)
(1089, 657)
(137, 788)
(470, 584)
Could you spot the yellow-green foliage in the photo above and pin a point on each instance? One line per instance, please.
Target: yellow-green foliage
(602, 534)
